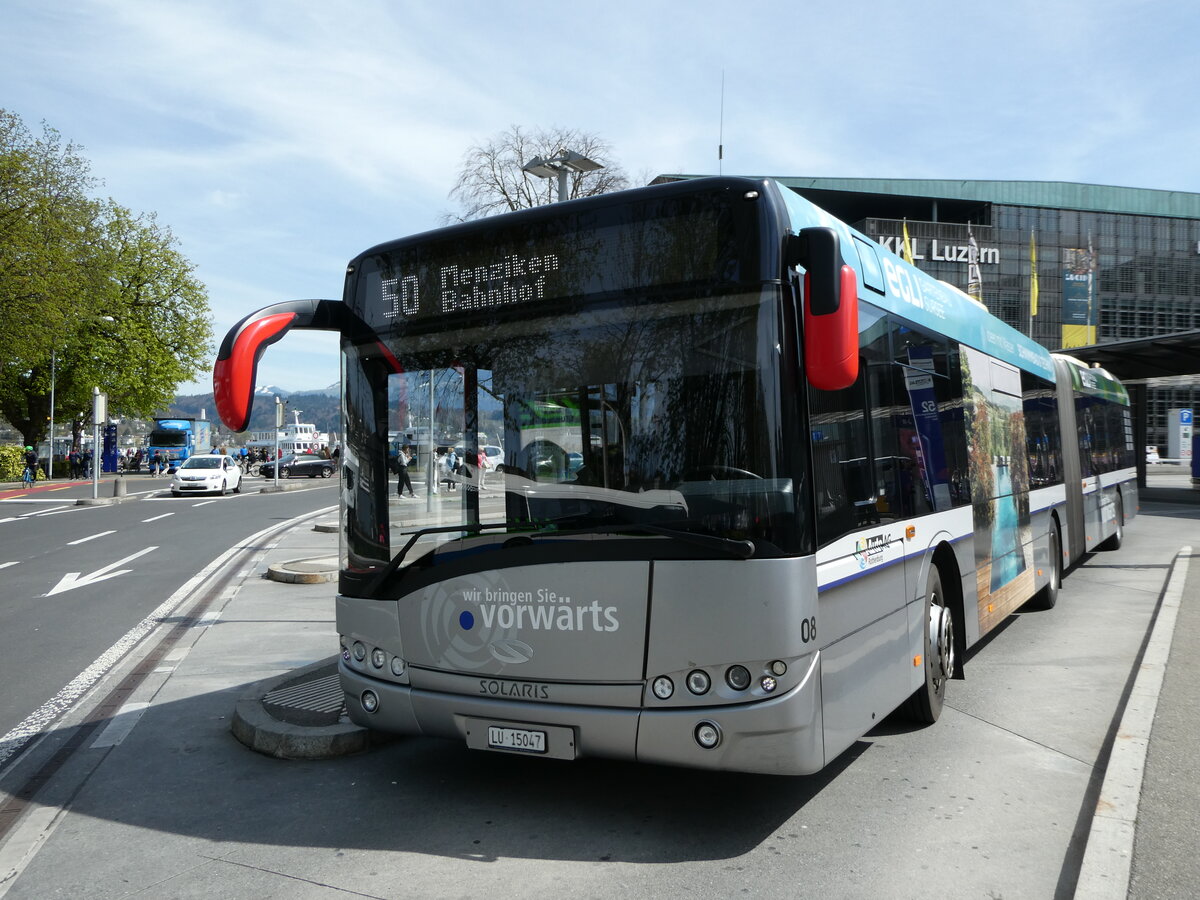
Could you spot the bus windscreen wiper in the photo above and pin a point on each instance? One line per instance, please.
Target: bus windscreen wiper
(739, 549)
(742, 549)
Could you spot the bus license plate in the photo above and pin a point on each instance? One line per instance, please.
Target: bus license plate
(516, 739)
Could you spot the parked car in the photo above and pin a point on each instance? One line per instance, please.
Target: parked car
(203, 474)
(299, 464)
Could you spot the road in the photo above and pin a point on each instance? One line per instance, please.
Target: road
(77, 578)
(993, 801)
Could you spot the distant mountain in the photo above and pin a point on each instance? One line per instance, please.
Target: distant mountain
(319, 408)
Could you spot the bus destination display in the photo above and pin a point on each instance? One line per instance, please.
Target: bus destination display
(526, 265)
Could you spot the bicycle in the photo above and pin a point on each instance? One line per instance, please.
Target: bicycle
(28, 477)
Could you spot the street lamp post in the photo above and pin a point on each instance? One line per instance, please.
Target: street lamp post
(50, 462)
(278, 425)
(559, 165)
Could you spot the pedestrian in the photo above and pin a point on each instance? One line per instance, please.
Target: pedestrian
(481, 465)
(402, 462)
(76, 463)
(450, 469)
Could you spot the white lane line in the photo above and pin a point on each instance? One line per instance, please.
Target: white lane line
(205, 503)
(90, 538)
(156, 518)
(7, 564)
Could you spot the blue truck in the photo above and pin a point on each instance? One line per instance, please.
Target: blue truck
(180, 438)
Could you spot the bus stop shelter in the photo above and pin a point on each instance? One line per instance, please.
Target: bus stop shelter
(1141, 363)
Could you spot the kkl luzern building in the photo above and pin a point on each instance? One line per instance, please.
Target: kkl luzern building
(1112, 263)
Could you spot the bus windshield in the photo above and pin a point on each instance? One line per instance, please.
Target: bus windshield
(618, 415)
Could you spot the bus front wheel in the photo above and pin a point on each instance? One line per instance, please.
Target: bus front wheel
(925, 705)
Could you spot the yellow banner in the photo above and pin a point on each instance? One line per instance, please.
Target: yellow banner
(1078, 336)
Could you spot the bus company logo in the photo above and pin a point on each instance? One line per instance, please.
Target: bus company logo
(869, 550)
(540, 610)
(511, 652)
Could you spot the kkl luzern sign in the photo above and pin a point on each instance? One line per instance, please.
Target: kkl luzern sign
(942, 251)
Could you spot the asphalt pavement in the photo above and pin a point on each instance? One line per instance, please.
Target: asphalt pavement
(277, 628)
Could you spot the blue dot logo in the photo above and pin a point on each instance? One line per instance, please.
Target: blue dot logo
(466, 620)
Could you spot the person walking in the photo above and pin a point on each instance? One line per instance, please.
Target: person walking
(403, 461)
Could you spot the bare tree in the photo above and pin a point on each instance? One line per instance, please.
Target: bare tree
(492, 179)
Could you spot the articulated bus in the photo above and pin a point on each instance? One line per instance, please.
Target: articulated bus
(810, 479)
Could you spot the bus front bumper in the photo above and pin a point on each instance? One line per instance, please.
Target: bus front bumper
(780, 736)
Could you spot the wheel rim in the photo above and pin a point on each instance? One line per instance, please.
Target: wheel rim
(941, 640)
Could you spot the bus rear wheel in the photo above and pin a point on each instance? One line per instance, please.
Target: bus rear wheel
(925, 705)
(1114, 540)
(1047, 597)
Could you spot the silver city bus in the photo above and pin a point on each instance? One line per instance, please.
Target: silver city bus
(763, 482)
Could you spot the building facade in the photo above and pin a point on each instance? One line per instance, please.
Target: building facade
(1112, 263)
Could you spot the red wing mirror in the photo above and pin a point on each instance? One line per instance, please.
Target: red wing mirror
(830, 309)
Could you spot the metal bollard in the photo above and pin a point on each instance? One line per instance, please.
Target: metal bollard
(119, 486)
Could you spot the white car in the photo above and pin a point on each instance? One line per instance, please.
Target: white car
(202, 474)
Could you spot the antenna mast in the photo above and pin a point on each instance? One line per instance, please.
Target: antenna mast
(721, 129)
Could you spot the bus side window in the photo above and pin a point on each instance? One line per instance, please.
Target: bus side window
(846, 471)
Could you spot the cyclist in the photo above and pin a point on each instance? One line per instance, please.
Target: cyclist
(31, 462)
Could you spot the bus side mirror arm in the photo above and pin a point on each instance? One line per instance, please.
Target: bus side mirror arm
(830, 308)
(236, 366)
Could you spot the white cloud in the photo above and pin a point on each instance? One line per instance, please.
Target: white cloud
(280, 138)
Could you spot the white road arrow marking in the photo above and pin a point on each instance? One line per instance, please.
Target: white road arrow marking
(72, 580)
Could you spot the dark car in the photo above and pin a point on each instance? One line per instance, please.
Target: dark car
(299, 464)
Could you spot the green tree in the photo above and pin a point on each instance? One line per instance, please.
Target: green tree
(492, 178)
(91, 294)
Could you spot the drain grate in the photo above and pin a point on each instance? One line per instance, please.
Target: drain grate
(322, 695)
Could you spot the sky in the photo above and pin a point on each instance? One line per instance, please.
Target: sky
(277, 140)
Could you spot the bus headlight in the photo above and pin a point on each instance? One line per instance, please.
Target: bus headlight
(397, 666)
(378, 658)
(663, 687)
(360, 651)
(369, 701)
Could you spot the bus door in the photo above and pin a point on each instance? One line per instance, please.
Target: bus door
(860, 501)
